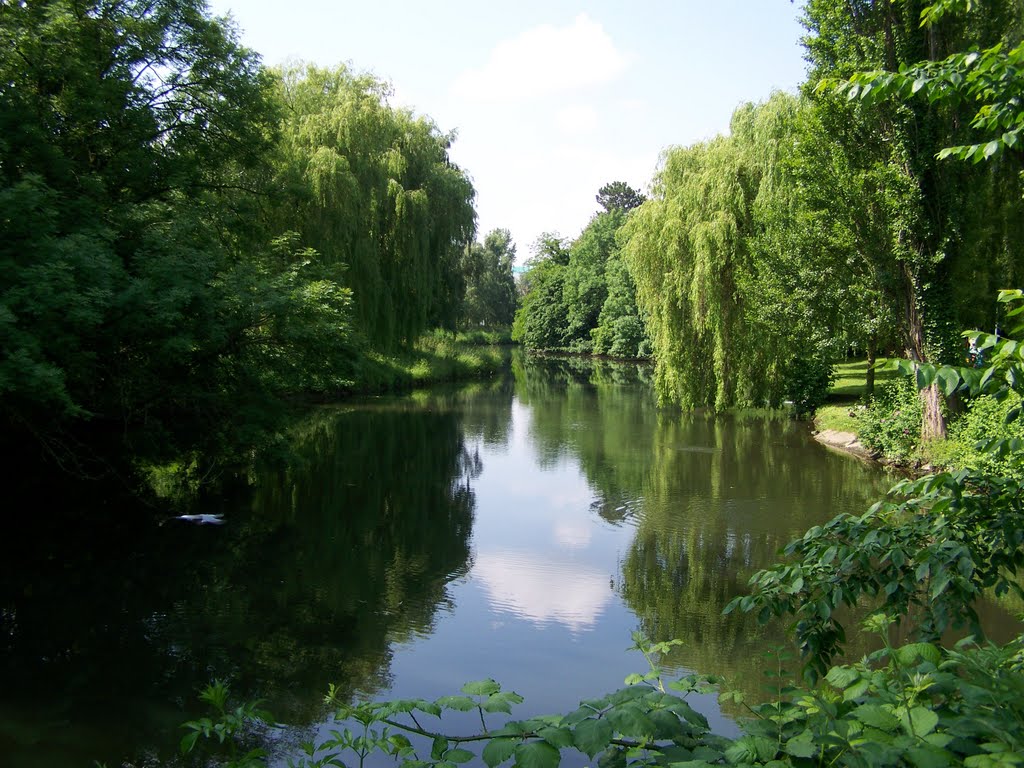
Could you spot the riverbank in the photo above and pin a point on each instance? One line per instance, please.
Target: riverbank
(847, 442)
(435, 359)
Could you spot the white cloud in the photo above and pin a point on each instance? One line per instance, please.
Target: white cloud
(543, 590)
(542, 61)
(552, 187)
(576, 119)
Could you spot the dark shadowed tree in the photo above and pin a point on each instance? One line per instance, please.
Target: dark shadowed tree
(618, 196)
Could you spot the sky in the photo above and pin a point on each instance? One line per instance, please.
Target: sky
(550, 99)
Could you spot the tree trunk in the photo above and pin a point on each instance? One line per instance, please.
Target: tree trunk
(869, 378)
(933, 421)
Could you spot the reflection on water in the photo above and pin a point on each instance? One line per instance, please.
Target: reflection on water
(518, 530)
(110, 623)
(543, 590)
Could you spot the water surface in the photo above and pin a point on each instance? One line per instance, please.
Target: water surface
(520, 530)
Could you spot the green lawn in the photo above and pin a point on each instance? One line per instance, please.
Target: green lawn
(847, 390)
(850, 378)
(837, 417)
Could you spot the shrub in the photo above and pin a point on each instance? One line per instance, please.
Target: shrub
(808, 380)
(891, 425)
(986, 418)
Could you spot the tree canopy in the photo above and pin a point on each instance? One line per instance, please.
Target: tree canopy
(618, 196)
(183, 230)
(490, 297)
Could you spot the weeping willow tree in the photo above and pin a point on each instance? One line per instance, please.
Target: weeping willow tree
(372, 187)
(705, 252)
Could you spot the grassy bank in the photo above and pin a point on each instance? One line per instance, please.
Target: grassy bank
(847, 395)
(434, 359)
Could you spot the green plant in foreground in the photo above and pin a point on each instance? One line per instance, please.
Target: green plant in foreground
(229, 727)
(925, 554)
(928, 552)
(916, 705)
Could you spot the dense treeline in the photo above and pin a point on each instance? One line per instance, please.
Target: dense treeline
(579, 296)
(821, 224)
(185, 234)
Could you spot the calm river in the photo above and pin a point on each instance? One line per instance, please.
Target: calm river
(518, 529)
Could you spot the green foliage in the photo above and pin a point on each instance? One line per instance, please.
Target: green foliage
(228, 728)
(186, 238)
(987, 417)
(586, 286)
(490, 299)
(808, 381)
(618, 196)
(988, 78)
(927, 554)
(373, 188)
(584, 299)
(927, 242)
(722, 282)
(542, 318)
(129, 129)
(924, 556)
(912, 705)
(620, 331)
(891, 425)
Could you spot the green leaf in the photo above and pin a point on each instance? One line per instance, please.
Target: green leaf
(556, 737)
(537, 754)
(910, 653)
(439, 747)
(188, 742)
(501, 701)
(877, 716)
(591, 736)
(856, 690)
(612, 758)
(749, 749)
(668, 725)
(631, 720)
(481, 688)
(929, 757)
(949, 380)
(919, 721)
(801, 746)
(498, 751)
(459, 755)
(925, 376)
(841, 677)
(460, 703)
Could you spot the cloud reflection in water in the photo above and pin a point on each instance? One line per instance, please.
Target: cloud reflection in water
(542, 590)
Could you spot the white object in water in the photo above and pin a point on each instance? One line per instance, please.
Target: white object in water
(202, 519)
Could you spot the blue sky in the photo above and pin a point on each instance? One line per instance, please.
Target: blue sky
(550, 99)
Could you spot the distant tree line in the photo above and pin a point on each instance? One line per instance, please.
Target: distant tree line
(579, 296)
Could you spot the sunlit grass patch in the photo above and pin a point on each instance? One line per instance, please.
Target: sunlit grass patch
(851, 379)
(841, 418)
